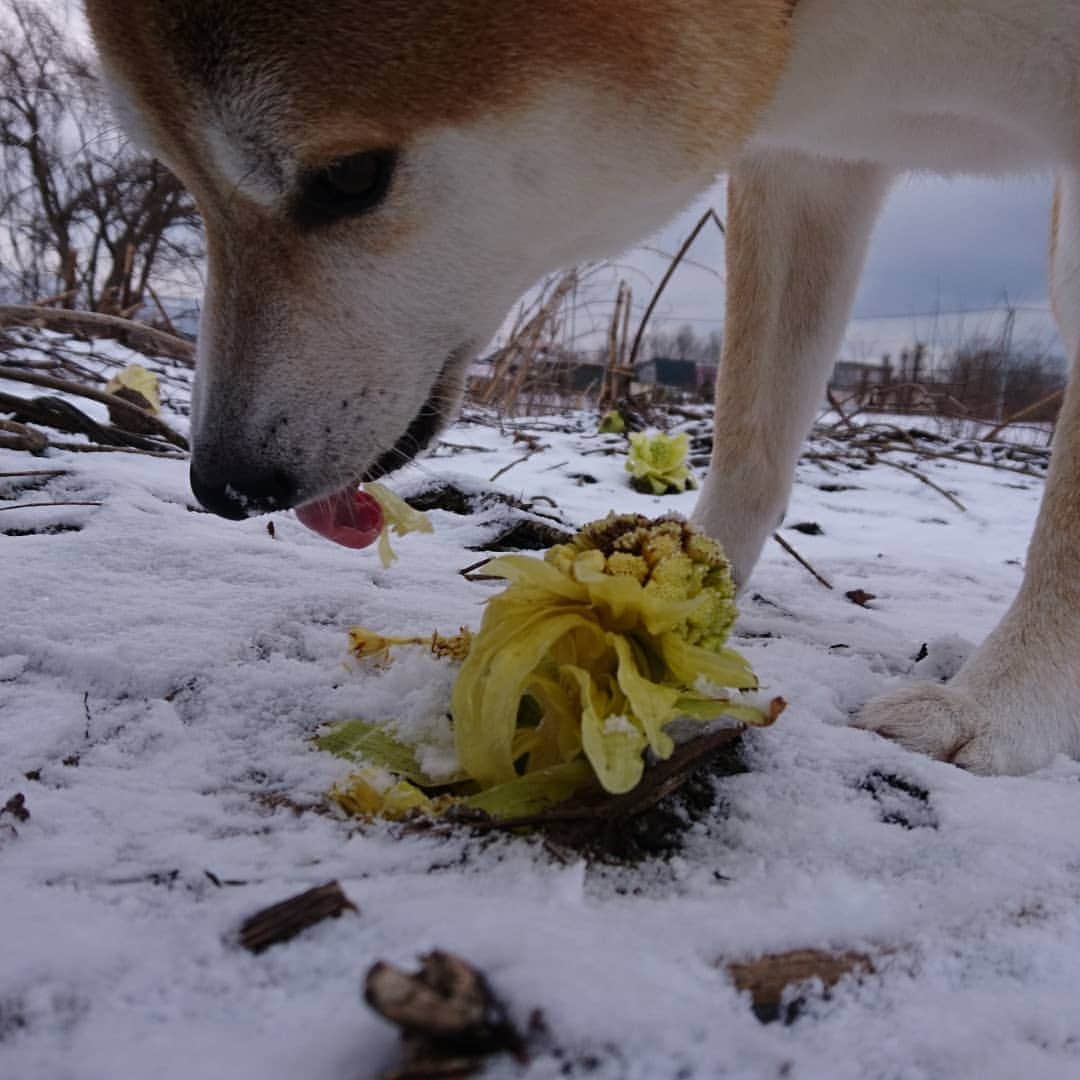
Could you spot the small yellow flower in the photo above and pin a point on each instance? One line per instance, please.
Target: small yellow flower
(365, 643)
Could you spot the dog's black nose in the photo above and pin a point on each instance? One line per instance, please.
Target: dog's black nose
(237, 494)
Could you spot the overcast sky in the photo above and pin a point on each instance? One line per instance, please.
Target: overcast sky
(940, 245)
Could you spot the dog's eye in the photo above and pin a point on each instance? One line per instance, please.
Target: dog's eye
(356, 177)
(348, 186)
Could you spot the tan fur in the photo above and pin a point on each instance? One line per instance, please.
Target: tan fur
(1055, 227)
(793, 256)
(377, 73)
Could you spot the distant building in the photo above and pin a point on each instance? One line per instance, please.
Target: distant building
(662, 371)
(854, 375)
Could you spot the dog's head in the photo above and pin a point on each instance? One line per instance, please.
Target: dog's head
(380, 179)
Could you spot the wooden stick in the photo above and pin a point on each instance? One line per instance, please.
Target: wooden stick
(657, 782)
(66, 386)
(142, 338)
(687, 244)
(284, 921)
(838, 409)
(38, 506)
(800, 560)
(1023, 414)
(15, 436)
(927, 481)
(506, 468)
(94, 448)
(34, 472)
(57, 298)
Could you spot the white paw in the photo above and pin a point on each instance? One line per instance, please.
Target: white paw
(949, 723)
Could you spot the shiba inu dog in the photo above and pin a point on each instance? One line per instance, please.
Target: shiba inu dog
(380, 179)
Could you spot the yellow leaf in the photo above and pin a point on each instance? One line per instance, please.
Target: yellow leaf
(489, 688)
(371, 792)
(652, 703)
(144, 383)
(534, 792)
(398, 516)
(612, 742)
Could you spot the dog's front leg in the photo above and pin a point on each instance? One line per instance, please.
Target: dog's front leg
(1016, 703)
(797, 231)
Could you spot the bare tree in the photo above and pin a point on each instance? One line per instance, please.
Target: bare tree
(85, 221)
(684, 344)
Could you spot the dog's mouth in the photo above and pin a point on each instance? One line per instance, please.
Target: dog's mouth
(353, 518)
(349, 517)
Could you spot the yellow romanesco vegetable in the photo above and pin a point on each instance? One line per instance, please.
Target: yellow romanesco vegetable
(610, 638)
(611, 423)
(657, 463)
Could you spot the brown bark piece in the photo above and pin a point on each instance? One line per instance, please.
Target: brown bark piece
(767, 977)
(860, 597)
(283, 921)
(15, 436)
(449, 1017)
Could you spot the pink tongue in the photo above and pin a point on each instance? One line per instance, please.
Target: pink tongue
(348, 517)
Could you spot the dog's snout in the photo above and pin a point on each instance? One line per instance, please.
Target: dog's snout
(238, 493)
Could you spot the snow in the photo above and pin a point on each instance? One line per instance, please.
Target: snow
(162, 672)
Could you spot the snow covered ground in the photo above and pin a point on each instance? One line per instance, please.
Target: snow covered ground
(162, 672)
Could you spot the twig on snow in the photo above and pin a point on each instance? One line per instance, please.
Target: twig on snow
(927, 481)
(801, 561)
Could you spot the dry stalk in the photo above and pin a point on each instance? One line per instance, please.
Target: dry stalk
(43, 505)
(93, 448)
(170, 326)
(801, 561)
(49, 382)
(839, 410)
(506, 468)
(506, 382)
(1023, 414)
(926, 480)
(33, 473)
(138, 336)
(639, 337)
(15, 436)
(618, 373)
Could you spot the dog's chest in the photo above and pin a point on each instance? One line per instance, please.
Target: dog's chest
(970, 85)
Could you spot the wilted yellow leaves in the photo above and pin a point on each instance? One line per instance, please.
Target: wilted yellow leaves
(580, 665)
